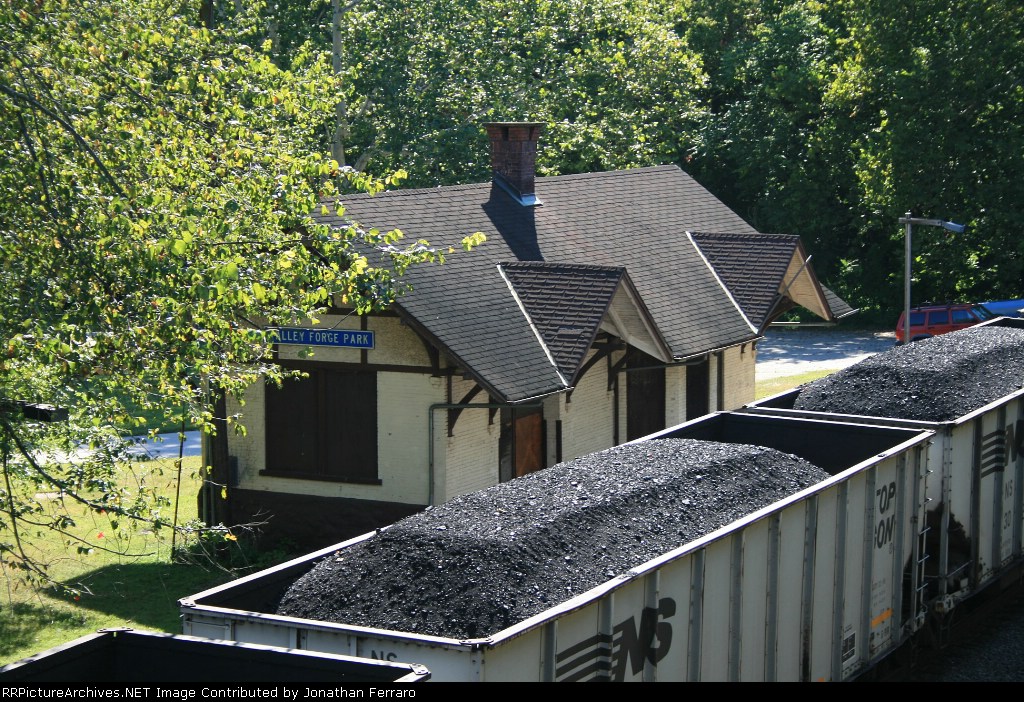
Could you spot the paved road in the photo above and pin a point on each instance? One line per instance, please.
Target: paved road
(168, 446)
(786, 351)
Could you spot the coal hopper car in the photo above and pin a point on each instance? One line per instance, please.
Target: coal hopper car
(814, 585)
(972, 532)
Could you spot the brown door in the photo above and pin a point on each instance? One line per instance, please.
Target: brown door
(521, 445)
(528, 446)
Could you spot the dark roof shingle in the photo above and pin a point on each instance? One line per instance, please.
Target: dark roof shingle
(566, 302)
(636, 219)
(752, 266)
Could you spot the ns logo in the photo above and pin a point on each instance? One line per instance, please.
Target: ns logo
(630, 646)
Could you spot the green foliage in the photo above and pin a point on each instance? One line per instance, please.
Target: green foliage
(768, 70)
(106, 589)
(934, 95)
(831, 120)
(157, 189)
(827, 120)
(160, 175)
(612, 80)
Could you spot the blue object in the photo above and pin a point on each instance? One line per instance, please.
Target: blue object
(1005, 308)
(351, 338)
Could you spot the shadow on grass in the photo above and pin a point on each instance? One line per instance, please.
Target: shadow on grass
(145, 595)
(20, 623)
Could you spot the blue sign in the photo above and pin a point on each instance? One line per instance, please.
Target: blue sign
(347, 338)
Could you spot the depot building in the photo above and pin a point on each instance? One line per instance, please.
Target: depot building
(601, 308)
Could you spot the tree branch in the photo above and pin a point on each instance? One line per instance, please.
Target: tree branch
(8, 429)
(70, 129)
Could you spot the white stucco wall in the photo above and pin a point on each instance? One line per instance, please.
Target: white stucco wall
(394, 343)
(740, 362)
(402, 444)
(675, 395)
(468, 460)
(403, 399)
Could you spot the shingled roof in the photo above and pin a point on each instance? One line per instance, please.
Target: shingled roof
(569, 303)
(768, 274)
(635, 219)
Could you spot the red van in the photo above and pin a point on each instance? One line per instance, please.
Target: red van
(931, 320)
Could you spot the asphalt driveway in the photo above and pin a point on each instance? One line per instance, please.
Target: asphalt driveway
(787, 351)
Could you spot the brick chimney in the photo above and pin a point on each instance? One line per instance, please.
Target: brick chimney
(514, 157)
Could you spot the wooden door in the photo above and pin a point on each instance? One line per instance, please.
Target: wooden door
(528, 445)
(521, 447)
(645, 396)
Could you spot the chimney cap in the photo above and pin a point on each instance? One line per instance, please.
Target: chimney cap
(514, 124)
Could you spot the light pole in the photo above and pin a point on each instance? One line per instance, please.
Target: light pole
(910, 222)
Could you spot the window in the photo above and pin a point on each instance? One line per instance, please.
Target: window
(323, 427)
(963, 316)
(938, 317)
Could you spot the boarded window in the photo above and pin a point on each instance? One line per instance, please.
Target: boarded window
(323, 427)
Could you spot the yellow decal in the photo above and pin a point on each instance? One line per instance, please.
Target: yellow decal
(881, 618)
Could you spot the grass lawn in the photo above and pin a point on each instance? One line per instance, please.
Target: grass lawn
(140, 592)
(773, 386)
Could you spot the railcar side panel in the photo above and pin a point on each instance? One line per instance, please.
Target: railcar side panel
(635, 634)
(826, 596)
(675, 622)
(989, 464)
(1013, 504)
(789, 638)
(524, 658)
(578, 647)
(790, 593)
(756, 591)
(962, 529)
(717, 616)
(858, 525)
(884, 518)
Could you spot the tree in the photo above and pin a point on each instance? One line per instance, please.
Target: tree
(927, 96)
(157, 188)
(612, 79)
(767, 147)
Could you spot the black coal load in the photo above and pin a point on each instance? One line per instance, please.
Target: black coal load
(936, 379)
(484, 561)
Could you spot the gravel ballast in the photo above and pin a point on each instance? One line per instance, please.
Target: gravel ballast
(484, 561)
(937, 379)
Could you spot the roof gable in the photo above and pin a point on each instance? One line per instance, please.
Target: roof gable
(566, 304)
(768, 274)
(569, 303)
